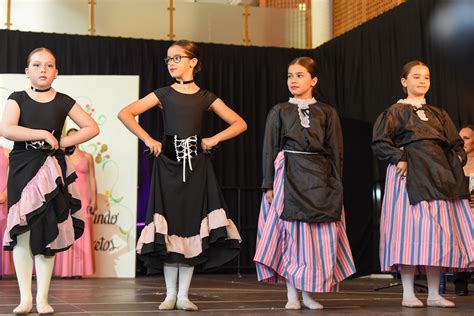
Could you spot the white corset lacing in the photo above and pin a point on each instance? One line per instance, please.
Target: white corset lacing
(186, 149)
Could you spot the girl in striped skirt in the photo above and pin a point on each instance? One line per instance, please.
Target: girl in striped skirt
(426, 223)
(301, 238)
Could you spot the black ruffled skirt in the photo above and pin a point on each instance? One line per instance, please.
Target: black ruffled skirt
(187, 222)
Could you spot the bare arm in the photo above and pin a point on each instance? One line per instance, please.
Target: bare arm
(237, 125)
(4, 194)
(92, 181)
(88, 127)
(127, 117)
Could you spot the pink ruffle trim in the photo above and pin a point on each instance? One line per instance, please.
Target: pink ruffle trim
(33, 197)
(189, 247)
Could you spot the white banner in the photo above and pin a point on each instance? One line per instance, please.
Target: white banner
(116, 162)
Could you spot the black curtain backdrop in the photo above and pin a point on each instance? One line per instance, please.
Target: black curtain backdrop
(360, 73)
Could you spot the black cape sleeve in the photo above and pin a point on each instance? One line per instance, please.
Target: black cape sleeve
(334, 140)
(383, 135)
(209, 98)
(67, 102)
(18, 97)
(271, 147)
(456, 144)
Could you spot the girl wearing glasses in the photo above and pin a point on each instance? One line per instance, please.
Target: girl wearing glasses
(44, 215)
(426, 223)
(187, 224)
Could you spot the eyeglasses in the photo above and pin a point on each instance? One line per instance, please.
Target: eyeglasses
(176, 59)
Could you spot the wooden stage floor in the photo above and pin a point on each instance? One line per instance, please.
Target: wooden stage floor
(222, 295)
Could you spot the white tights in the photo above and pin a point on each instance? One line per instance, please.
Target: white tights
(171, 272)
(23, 260)
(408, 278)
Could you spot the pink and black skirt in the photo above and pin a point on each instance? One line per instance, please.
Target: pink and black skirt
(42, 199)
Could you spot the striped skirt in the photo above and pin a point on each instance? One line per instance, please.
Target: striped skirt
(313, 257)
(435, 233)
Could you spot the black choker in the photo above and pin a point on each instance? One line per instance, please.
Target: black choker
(184, 82)
(38, 90)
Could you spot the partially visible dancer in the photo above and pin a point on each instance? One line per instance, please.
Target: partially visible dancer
(426, 222)
(78, 261)
(6, 259)
(461, 279)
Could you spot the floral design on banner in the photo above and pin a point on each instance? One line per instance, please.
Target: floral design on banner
(87, 106)
(112, 212)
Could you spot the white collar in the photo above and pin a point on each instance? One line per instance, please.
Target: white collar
(302, 101)
(417, 103)
(303, 109)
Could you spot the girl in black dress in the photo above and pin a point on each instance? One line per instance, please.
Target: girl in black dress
(43, 204)
(187, 222)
